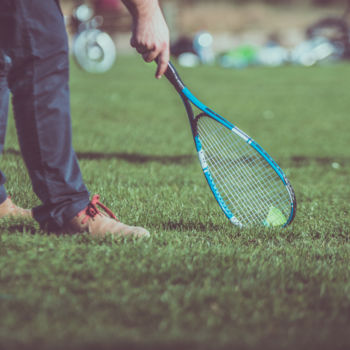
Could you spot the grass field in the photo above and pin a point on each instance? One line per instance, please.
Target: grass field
(198, 282)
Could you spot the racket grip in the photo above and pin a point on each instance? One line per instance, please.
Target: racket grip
(173, 76)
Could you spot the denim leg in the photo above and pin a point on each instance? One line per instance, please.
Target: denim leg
(38, 81)
(4, 102)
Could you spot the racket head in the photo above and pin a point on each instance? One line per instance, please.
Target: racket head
(247, 183)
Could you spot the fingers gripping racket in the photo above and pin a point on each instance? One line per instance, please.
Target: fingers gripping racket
(250, 188)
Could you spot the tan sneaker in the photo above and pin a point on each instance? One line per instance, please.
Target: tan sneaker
(99, 223)
(8, 208)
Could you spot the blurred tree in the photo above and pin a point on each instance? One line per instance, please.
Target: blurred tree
(273, 2)
(325, 2)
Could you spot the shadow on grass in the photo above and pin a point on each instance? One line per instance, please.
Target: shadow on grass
(191, 226)
(108, 344)
(18, 226)
(297, 161)
(128, 157)
(300, 161)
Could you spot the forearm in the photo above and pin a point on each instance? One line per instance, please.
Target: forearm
(141, 8)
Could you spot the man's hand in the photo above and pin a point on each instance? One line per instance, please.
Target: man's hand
(150, 33)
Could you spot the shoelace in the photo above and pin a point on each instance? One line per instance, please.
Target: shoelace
(91, 210)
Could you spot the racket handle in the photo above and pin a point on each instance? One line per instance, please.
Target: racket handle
(173, 76)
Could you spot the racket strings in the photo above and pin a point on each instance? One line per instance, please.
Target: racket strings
(226, 174)
(245, 180)
(248, 190)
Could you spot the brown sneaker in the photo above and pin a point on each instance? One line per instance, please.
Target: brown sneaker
(98, 223)
(8, 208)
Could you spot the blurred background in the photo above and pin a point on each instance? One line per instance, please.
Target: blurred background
(230, 33)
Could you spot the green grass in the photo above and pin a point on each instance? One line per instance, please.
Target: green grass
(199, 282)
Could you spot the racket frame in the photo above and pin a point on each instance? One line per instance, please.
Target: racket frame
(188, 100)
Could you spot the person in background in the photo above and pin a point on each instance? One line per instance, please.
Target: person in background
(34, 68)
(102, 6)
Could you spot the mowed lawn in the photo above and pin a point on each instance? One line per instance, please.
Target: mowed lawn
(199, 282)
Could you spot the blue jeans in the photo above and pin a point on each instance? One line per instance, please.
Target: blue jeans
(34, 68)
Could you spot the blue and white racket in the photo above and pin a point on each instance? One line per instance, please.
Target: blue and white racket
(249, 186)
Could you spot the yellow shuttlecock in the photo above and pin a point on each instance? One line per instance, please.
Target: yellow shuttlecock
(275, 218)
